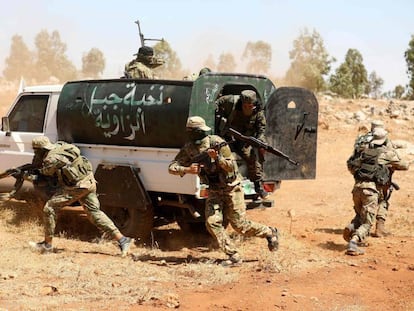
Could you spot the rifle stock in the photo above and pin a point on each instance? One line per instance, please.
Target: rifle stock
(259, 144)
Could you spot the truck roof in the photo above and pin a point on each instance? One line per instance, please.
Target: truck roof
(42, 88)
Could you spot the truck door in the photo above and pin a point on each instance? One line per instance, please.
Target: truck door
(26, 121)
(292, 121)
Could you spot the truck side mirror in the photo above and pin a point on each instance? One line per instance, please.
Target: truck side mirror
(5, 125)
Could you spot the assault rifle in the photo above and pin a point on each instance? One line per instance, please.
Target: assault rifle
(43, 185)
(254, 142)
(203, 156)
(141, 35)
(17, 173)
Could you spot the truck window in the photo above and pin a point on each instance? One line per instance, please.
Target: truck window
(28, 114)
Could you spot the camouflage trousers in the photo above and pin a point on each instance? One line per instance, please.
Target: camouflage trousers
(382, 211)
(253, 162)
(365, 206)
(228, 206)
(90, 203)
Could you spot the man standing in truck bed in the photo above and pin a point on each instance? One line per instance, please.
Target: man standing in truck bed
(225, 200)
(75, 183)
(141, 67)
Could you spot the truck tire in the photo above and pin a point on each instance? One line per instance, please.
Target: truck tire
(124, 199)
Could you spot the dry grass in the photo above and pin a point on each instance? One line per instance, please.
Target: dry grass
(79, 272)
(87, 273)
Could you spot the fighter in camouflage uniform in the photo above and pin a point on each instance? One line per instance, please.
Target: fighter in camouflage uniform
(361, 143)
(372, 169)
(245, 115)
(225, 200)
(140, 68)
(76, 182)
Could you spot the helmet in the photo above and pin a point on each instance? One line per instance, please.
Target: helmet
(146, 51)
(197, 123)
(204, 71)
(42, 142)
(248, 96)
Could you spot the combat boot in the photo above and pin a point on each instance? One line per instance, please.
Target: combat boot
(353, 249)
(273, 240)
(261, 193)
(41, 247)
(233, 261)
(380, 229)
(124, 244)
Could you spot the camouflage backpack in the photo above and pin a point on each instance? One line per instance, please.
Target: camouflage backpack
(368, 168)
(79, 166)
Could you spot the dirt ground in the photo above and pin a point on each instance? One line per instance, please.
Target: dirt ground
(310, 271)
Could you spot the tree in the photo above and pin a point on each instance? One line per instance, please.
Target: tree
(350, 78)
(226, 62)
(399, 91)
(409, 58)
(258, 56)
(51, 58)
(172, 67)
(20, 61)
(309, 61)
(374, 85)
(341, 82)
(93, 63)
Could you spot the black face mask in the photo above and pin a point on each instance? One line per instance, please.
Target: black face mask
(196, 135)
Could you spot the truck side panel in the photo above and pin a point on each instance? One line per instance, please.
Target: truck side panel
(124, 112)
(151, 163)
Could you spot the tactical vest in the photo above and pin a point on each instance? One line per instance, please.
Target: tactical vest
(368, 168)
(78, 167)
(212, 174)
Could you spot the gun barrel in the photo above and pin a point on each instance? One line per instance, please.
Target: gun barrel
(259, 144)
(395, 186)
(4, 174)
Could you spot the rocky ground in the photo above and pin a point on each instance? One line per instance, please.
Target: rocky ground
(309, 272)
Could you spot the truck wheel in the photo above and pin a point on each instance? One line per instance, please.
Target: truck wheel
(132, 222)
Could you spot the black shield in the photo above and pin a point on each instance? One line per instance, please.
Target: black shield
(292, 121)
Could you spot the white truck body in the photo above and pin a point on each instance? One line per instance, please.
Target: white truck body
(132, 129)
(16, 150)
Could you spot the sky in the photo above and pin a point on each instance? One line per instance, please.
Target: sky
(379, 29)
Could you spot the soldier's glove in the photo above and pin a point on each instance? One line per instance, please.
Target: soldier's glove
(246, 149)
(30, 177)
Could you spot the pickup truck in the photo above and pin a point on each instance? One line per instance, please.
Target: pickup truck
(131, 129)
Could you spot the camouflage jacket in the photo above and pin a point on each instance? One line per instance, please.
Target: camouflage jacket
(71, 169)
(216, 173)
(254, 125)
(388, 157)
(138, 70)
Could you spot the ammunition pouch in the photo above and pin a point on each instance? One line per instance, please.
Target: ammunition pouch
(74, 172)
(379, 174)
